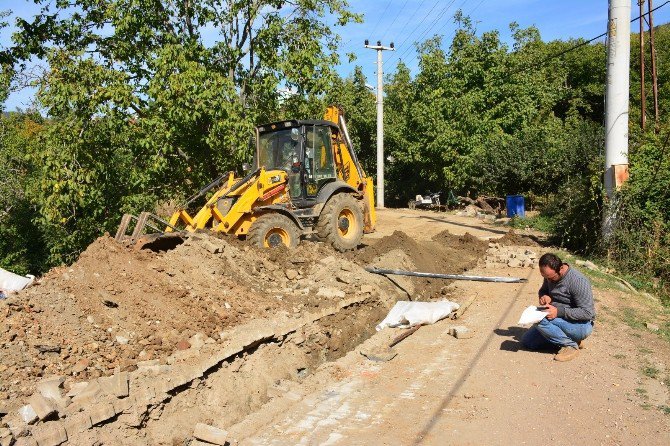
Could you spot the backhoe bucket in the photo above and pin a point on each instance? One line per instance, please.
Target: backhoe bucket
(155, 241)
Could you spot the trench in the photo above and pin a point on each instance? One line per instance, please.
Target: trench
(241, 385)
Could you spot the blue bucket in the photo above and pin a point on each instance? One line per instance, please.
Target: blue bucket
(516, 206)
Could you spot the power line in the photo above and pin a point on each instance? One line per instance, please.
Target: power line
(402, 8)
(416, 27)
(410, 18)
(572, 48)
(437, 19)
(381, 16)
(581, 44)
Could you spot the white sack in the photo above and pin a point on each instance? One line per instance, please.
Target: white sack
(14, 282)
(407, 314)
(531, 315)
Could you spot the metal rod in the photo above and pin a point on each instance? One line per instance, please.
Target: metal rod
(398, 272)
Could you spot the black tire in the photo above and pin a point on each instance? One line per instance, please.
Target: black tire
(341, 222)
(273, 229)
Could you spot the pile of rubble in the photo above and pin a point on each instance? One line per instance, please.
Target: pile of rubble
(125, 346)
(498, 255)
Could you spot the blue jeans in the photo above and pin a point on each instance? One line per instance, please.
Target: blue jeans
(558, 332)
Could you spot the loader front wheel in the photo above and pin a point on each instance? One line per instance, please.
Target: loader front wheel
(341, 222)
(272, 230)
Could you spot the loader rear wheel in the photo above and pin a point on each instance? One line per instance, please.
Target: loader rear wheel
(272, 230)
(341, 222)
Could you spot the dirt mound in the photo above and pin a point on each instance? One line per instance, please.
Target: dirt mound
(466, 242)
(118, 310)
(116, 306)
(445, 254)
(514, 239)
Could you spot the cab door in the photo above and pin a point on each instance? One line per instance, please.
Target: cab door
(319, 164)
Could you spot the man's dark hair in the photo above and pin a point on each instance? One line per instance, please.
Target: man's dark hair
(552, 261)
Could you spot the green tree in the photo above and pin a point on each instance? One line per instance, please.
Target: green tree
(150, 99)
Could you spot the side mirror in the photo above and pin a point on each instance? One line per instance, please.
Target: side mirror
(295, 134)
(246, 167)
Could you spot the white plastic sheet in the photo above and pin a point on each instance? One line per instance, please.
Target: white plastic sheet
(14, 282)
(531, 315)
(408, 314)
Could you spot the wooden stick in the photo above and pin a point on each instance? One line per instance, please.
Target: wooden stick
(406, 334)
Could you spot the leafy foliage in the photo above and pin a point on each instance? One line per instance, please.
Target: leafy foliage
(147, 100)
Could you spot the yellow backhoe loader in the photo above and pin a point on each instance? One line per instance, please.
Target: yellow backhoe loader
(305, 179)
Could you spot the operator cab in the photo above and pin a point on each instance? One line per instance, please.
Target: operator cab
(304, 150)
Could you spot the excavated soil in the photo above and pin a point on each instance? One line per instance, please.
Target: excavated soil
(117, 306)
(514, 239)
(446, 253)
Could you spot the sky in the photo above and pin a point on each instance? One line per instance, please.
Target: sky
(405, 22)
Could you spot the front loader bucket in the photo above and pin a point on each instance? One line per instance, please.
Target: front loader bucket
(158, 240)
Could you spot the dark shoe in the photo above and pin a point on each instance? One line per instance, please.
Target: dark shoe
(566, 354)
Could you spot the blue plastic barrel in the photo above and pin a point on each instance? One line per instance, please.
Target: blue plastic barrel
(516, 206)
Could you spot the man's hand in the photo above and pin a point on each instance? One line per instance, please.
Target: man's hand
(545, 300)
(551, 311)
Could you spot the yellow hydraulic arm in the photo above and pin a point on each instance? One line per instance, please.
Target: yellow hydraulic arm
(349, 169)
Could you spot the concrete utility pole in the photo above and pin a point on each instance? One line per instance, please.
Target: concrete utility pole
(643, 105)
(380, 119)
(616, 104)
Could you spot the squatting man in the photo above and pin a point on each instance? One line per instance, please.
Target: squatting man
(567, 298)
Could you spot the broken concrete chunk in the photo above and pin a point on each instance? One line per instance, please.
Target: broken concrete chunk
(367, 289)
(27, 414)
(210, 434)
(197, 340)
(115, 385)
(329, 292)
(461, 332)
(51, 388)
(88, 394)
(77, 388)
(42, 406)
(344, 278)
(50, 434)
(291, 274)
(81, 365)
(25, 441)
(101, 412)
(77, 423)
(652, 327)
(211, 247)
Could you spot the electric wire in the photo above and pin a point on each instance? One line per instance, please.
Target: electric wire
(417, 26)
(570, 49)
(581, 44)
(451, 37)
(381, 16)
(402, 8)
(427, 30)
